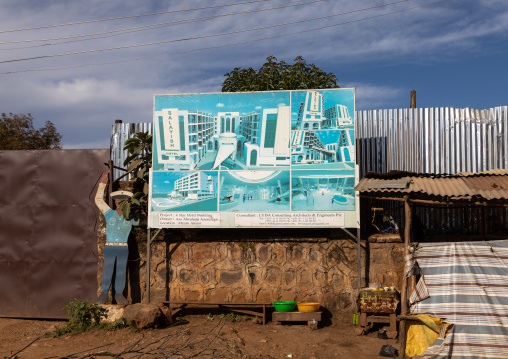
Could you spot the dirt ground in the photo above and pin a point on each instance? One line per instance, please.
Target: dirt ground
(193, 336)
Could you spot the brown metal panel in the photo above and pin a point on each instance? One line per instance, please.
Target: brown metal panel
(18, 177)
(15, 292)
(89, 284)
(53, 285)
(16, 223)
(48, 244)
(73, 169)
(59, 230)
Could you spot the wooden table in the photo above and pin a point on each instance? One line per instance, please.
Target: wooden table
(244, 308)
(378, 307)
(312, 318)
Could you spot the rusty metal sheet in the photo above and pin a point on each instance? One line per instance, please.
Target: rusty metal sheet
(48, 243)
(489, 187)
(401, 184)
(444, 186)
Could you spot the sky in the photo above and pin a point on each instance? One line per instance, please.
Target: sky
(84, 76)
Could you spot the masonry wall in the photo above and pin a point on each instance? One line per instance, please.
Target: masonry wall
(260, 265)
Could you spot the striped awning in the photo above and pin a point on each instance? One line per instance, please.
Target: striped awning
(466, 284)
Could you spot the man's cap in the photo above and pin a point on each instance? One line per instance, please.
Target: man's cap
(121, 194)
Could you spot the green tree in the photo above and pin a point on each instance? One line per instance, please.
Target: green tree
(139, 162)
(275, 75)
(17, 132)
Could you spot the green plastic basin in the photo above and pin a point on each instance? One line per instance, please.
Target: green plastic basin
(285, 306)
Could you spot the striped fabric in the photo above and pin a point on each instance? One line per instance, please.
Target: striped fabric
(467, 285)
(420, 293)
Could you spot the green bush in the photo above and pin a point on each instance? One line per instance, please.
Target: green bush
(86, 316)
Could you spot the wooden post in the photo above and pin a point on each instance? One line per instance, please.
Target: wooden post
(483, 223)
(403, 300)
(359, 259)
(411, 281)
(110, 183)
(413, 99)
(148, 245)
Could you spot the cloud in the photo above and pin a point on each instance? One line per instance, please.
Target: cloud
(93, 88)
(370, 96)
(220, 105)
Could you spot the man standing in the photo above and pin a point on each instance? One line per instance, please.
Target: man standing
(116, 250)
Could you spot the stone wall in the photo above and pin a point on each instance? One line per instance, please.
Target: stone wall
(259, 265)
(256, 265)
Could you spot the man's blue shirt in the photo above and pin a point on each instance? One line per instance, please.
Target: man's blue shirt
(117, 228)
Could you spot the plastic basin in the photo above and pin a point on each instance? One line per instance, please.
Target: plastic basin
(286, 306)
(308, 307)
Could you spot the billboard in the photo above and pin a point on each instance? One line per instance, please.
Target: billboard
(254, 159)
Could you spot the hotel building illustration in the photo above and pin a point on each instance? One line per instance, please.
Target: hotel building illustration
(184, 191)
(312, 115)
(308, 148)
(196, 186)
(190, 139)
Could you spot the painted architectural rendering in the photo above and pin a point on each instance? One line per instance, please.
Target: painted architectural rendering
(270, 152)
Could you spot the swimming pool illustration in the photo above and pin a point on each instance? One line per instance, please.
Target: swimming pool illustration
(323, 190)
(254, 191)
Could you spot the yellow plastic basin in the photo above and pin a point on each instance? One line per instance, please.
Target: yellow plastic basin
(308, 307)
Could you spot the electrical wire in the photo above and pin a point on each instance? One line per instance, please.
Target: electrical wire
(150, 27)
(131, 16)
(198, 37)
(227, 45)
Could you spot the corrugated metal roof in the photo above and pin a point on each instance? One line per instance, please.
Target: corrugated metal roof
(489, 185)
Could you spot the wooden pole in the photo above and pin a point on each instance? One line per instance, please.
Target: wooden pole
(403, 300)
(148, 245)
(110, 184)
(483, 223)
(359, 259)
(413, 99)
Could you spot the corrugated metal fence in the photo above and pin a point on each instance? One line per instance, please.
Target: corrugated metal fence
(425, 140)
(440, 141)
(120, 133)
(428, 140)
(432, 140)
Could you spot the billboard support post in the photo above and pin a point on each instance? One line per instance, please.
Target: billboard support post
(149, 240)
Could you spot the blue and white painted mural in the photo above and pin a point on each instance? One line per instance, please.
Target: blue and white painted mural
(238, 157)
